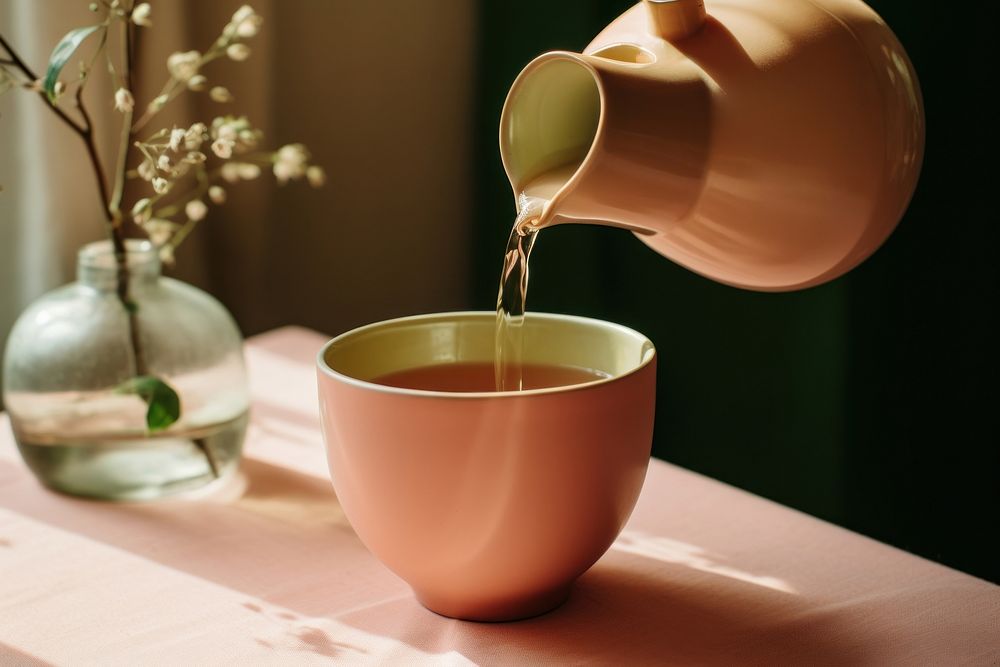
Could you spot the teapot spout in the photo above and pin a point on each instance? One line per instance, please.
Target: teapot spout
(549, 126)
(617, 138)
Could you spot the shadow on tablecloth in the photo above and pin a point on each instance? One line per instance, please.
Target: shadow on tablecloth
(14, 657)
(286, 544)
(630, 610)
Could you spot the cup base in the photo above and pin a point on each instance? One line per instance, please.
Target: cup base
(494, 611)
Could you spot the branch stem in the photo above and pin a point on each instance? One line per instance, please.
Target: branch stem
(213, 465)
(17, 62)
(114, 210)
(172, 88)
(125, 142)
(95, 161)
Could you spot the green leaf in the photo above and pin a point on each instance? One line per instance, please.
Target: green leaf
(61, 55)
(164, 405)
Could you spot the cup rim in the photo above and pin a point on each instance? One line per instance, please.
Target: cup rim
(648, 356)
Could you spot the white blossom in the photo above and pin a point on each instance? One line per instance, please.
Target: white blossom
(194, 136)
(183, 65)
(217, 194)
(195, 210)
(316, 176)
(159, 231)
(141, 211)
(230, 172)
(163, 163)
(248, 171)
(290, 162)
(236, 132)
(140, 15)
(195, 157)
(246, 22)
(176, 137)
(227, 131)
(161, 185)
(147, 170)
(250, 27)
(220, 94)
(282, 172)
(243, 13)
(223, 148)
(249, 137)
(197, 82)
(124, 101)
(238, 51)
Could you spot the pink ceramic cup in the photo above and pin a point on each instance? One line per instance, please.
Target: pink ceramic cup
(488, 504)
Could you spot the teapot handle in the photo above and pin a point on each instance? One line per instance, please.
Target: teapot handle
(676, 19)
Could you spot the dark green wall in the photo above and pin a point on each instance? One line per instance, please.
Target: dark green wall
(869, 401)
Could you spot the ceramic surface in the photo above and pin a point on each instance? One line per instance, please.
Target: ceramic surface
(488, 504)
(766, 145)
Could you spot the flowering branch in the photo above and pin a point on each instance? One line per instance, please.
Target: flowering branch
(168, 156)
(184, 67)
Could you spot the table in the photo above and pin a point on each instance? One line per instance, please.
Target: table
(265, 569)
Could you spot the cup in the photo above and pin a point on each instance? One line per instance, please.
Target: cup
(488, 504)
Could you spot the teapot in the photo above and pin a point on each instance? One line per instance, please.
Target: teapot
(765, 145)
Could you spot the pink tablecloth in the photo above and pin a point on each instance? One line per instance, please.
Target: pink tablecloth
(267, 571)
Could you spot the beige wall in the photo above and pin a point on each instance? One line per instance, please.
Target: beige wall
(382, 94)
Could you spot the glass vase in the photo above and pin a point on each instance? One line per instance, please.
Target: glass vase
(70, 372)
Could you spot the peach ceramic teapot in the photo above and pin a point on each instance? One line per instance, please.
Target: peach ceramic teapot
(766, 144)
